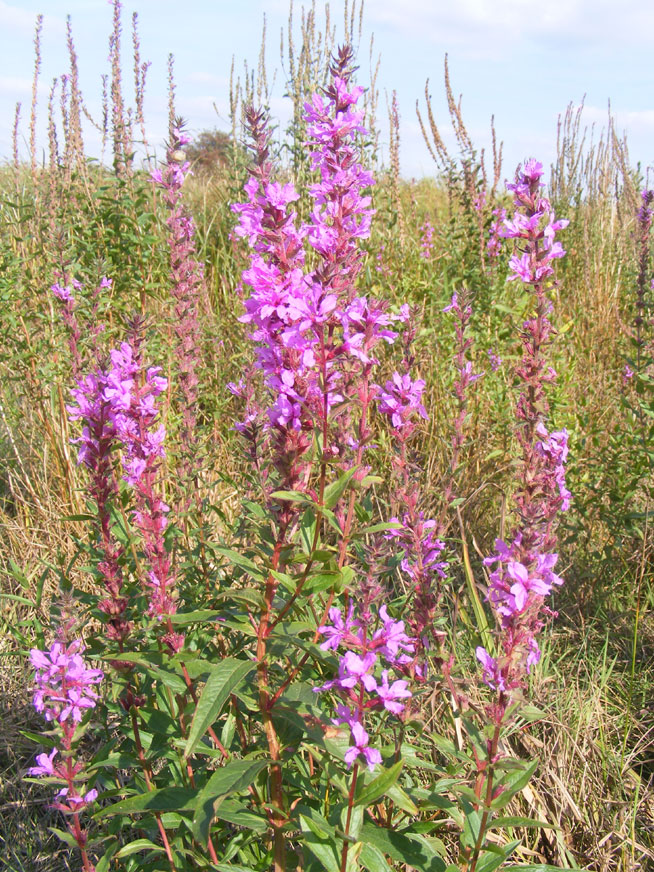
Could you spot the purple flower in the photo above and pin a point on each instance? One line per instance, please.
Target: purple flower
(426, 242)
(62, 293)
(361, 739)
(390, 694)
(44, 766)
(355, 669)
(495, 360)
(392, 639)
(523, 574)
(401, 399)
(492, 674)
(339, 630)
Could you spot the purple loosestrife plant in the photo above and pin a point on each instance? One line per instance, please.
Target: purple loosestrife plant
(495, 233)
(523, 569)
(276, 304)
(400, 400)
(132, 393)
(523, 573)
(92, 326)
(187, 280)
(315, 338)
(316, 342)
(263, 775)
(644, 219)
(64, 293)
(65, 691)
(93, 408)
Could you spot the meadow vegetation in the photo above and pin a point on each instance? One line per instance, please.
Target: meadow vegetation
(289, 449)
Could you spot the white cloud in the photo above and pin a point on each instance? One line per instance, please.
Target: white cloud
(15, 85)
(629, 121)
(199, 77)
(16, 18)
(487, 27)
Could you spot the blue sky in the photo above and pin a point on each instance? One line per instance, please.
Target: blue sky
(517, 59)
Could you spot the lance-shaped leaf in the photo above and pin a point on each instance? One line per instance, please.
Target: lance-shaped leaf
(234, 776)
(379, 785)
(222, 681)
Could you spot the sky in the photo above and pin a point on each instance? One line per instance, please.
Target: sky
(518, 60)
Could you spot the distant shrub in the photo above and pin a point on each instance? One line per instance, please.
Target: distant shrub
(210, 150)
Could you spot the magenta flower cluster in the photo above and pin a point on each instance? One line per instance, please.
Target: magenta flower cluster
(534, 221)
(64, 683)
(65, 690)
(135, 412)
(93, 327)
(360, 689)
(133, 394)
(93, 408)
(422, 548)
(427, 240)
(316, 337)
(118, 407)
(461, 309)
(401, 400)
(495, 360)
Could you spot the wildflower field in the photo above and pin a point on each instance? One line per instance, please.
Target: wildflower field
(324, 494)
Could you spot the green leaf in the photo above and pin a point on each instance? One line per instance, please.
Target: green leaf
(227, 867)
(516, 821)
(373, 859)
(379, 785)
(494, 856)
(19, 575)
(65, 836)
(169, 679)
(292, 497)
(165, 799)
(308, 530)
(16, 598)
(222, 681)
(413, 850)
(182, 618)
(139, 845)
(540, 867)
(513, 784)
(285, 579)
(335, 490)
(40, 739)
(242, 561)
(322, 842)
(103, 863)
(324, 581)
(233, 812)
(247, 595)
(471, 825)
(377, 528)
(234, 776)
(401, 799)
